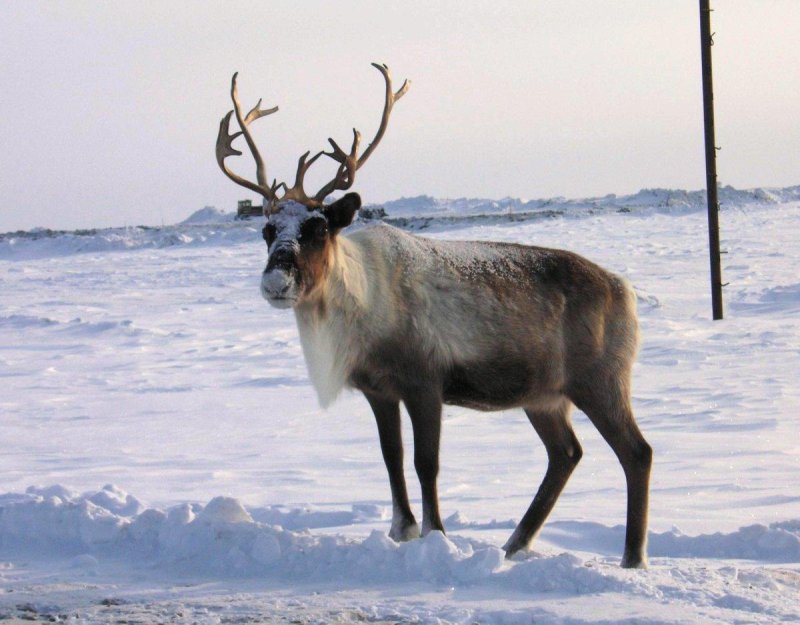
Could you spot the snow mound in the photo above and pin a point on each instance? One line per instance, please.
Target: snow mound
(777, 542)
(458, 521)
(307, 518)
(223, 539)
(209, 215)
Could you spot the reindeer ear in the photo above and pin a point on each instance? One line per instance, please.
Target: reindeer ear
(340, 214)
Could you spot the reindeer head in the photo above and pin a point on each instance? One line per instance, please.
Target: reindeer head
(300, 229)
(299, 243)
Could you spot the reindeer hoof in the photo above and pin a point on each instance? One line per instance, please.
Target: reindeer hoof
(513, 545)
(514, 553)
(633, 562)
(404, 531)
(522, 553)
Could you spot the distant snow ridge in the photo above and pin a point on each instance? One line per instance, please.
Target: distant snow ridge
(426, 206)
(210, 226)
(223, 539)
(209, 215)
(55, 243)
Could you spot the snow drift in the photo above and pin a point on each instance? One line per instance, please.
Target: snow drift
(223, 539)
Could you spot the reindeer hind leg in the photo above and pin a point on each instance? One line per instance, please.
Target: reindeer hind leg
(563, 454)
(606, 401)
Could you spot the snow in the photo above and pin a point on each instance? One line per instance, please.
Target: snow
(164, 458)
(208, 215)
(424, 206)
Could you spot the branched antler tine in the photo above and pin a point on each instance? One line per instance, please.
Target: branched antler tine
(225, 148)
(302, 168)
(225, 140)
(391, 98)
(352, 161)
(296, 193)
(338, 154)
(255, 113)
(270, 205)
(401, 91)
(348, 164)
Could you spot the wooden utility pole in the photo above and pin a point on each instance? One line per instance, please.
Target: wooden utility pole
(706, 42)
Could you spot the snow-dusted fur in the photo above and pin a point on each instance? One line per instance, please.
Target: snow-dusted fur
(383, 281)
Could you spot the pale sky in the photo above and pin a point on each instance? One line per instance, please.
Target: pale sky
(110, 110)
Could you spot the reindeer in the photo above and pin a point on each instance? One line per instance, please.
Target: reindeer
(485, 325)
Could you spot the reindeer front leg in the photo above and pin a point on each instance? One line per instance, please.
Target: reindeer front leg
(387, 415)
(425, 409)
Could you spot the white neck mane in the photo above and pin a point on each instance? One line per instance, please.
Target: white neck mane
(329, 338)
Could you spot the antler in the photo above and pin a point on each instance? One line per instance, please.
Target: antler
(349, 163)
(225, 144)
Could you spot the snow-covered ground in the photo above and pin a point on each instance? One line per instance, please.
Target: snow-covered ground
(164, 459)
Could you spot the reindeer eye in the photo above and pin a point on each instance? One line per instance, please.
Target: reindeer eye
(320, 229)
(314, 230)
(268, 233)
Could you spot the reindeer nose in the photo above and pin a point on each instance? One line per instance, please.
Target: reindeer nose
(282, 258)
